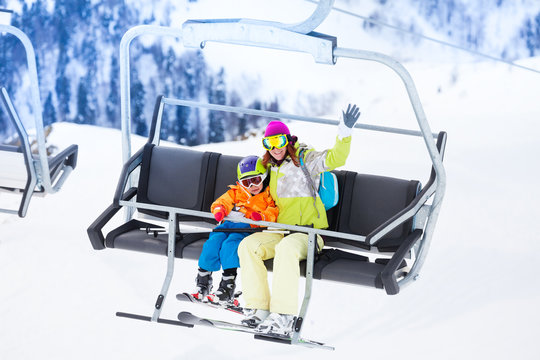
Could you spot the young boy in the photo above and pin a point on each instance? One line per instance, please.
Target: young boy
(249, 198)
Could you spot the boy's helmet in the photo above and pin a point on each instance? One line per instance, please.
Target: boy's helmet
(250, 166)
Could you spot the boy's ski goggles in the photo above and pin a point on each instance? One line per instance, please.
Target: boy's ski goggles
(275, 141)
(253, 180)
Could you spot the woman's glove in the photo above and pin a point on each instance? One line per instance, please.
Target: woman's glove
(350, 117)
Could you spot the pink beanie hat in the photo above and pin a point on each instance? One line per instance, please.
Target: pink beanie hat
(276, 127)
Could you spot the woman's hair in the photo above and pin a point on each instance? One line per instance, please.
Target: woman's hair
(266, 182)
(291, 151)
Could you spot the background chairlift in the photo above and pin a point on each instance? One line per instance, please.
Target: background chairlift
(391, 233)
(22, 171)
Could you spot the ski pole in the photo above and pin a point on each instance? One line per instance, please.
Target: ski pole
(252, 230)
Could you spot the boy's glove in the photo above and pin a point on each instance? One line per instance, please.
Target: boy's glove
(255, 216)
(219, 213)
(350, 117)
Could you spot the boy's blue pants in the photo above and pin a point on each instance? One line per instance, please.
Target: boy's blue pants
(221, 248)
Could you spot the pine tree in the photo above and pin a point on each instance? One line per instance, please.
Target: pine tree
(195, 135)
(236, 122)
(62, 86)
(216, 95)
(112, 107)
(87, 104)
(194, 72)
(63, 94)
(49, 113)
(137, 106)
(36, 23)
(254, 120)
(180, 130)
(7, 45)
(86, 111)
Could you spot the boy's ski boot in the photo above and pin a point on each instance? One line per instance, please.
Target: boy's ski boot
(225, 292)
(204, 285)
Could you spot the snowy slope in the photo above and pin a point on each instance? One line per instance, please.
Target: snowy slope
(476, 298)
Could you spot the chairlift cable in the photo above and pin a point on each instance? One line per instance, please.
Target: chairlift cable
(474, 52)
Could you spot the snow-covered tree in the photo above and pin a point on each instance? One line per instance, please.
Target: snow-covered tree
(137, 106)
(49, 113)
(217, 95)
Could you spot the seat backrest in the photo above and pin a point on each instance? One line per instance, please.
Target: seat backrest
(367, 201)
(225, 175)
(173, 177)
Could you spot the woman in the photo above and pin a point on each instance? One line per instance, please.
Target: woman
(292, 194)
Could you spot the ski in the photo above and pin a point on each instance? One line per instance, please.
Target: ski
(190, 319)
(230, 307)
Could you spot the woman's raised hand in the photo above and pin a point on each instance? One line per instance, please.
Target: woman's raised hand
(350, 117)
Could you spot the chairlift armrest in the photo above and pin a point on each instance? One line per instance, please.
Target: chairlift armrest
(388, 275)
(95, 232)
(67, 156)
(127, 169)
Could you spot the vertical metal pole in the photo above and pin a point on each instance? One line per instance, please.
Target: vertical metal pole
(170, 267)
(309, 284)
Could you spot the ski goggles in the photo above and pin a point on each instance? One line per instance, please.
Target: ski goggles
(253, 180)
(275, 141)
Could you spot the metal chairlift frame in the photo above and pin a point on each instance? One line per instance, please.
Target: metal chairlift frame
(38, 169)
(295, 38)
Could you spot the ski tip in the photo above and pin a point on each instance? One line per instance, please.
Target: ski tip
(182, 296)
(187, 317)
(186, 297)
(190, 319)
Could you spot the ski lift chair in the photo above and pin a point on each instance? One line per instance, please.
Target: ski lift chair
(24, 172)
(390, 220)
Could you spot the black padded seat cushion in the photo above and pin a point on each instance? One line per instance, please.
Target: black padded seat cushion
(133, 235)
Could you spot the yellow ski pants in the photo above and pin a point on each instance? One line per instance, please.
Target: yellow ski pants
(287, 252)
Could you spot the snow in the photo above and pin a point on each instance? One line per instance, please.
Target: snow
(477, 295)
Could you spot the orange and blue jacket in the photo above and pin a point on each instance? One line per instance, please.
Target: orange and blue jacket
(239, 199)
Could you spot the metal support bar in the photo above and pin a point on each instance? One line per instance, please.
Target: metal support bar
(279, 115)
(309, 285)
(273, 225)
(170, 267)
(259, 34)
(270, 34)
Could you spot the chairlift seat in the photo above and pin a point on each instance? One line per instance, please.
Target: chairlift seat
(23, 171)
(15, 173)
(183, 178)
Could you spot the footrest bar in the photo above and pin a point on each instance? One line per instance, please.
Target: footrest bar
(149, 318)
